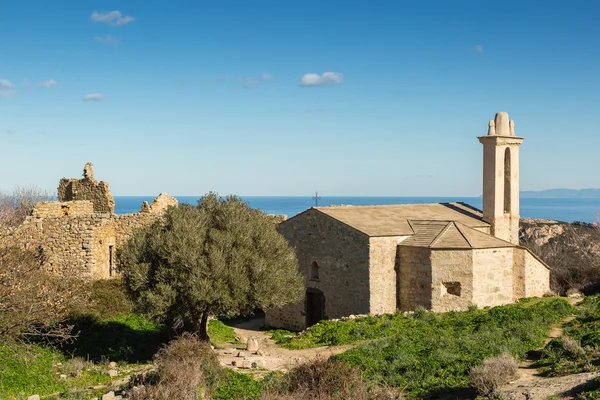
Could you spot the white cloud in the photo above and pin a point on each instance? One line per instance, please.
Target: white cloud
(112, 18)
(93, 97)
(26, 84)
(4, 84)
(107, 40)
(49, 83)
(325, 79)
(478, 48)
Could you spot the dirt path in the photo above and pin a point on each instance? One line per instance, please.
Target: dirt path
(531, 386)
(269, 356)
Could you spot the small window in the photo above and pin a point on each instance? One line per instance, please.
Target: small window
(314, 271)
(452, 288)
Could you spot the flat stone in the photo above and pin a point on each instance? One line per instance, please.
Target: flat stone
(34, 397)
(112, 364)
(113, 373)
(109, 396)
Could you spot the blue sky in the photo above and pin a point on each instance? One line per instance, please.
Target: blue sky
(192, 96)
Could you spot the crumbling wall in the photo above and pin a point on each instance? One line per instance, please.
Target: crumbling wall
(82, 235)
(88, 188)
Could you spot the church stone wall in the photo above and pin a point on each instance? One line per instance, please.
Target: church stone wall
(382, 273)
(451, 280)
(537, 282)
(342, 256)
(493, 276)
(414, 277)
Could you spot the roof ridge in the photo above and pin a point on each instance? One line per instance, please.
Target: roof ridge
(458, 228)
(439, 235)
(486, 234)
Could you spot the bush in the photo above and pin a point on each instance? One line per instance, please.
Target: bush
(572, 347)
(324, 379)
(185, 366)
(493, 373)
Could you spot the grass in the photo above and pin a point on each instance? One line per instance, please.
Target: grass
(234, 385)
(556, 360)
(27, 369)
(432, 353)
(219, 332)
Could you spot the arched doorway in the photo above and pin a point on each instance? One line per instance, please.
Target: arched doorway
(315, 306)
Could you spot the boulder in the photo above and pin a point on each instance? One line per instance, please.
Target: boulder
(252, 345)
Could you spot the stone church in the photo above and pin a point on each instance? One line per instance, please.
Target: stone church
(447, 256)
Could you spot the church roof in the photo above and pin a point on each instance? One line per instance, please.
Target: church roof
(393, 219)
(451, 235)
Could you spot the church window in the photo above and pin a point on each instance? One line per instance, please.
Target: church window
(314, 271)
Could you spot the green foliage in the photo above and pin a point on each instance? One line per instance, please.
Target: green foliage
(27, 369)
(126, 338)
(430, 353)
(219, 332)
(585, 329)
(235, 385)
(219, 258)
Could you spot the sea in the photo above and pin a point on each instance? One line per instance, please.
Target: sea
(563, 209)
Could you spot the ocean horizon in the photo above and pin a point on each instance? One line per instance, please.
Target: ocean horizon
(561, 209)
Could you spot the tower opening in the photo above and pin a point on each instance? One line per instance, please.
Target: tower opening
(507, 181)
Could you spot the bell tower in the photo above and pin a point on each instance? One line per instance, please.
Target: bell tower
(501, 178)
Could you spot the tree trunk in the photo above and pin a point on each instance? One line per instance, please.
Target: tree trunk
(202, 328)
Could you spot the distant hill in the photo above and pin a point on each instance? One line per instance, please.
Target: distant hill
(562, 193)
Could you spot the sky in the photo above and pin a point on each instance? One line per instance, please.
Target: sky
(362, 98)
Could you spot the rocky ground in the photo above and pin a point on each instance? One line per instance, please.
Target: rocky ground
(259, 351)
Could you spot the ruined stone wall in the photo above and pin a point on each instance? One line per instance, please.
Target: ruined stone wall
(342, 256)
(382, 273)
(87, 188)
(414, 277)
(451, 280)
(72, 238)
(493, 276)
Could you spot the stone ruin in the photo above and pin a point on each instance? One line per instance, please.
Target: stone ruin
(88, 188)
(80, 232)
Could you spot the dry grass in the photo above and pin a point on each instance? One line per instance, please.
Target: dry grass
(75, 366)
(488, 377)
(184, 366)
(572, 347)
(324, 379)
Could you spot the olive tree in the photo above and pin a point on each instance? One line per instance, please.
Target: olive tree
(218, 258)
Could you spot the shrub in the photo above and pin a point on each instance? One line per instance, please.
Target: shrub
(324, 379)
(75, 366)
(185, 365)
(493, 373)
(572, 347)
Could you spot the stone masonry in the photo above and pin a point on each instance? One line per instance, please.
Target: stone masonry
(80, 231)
